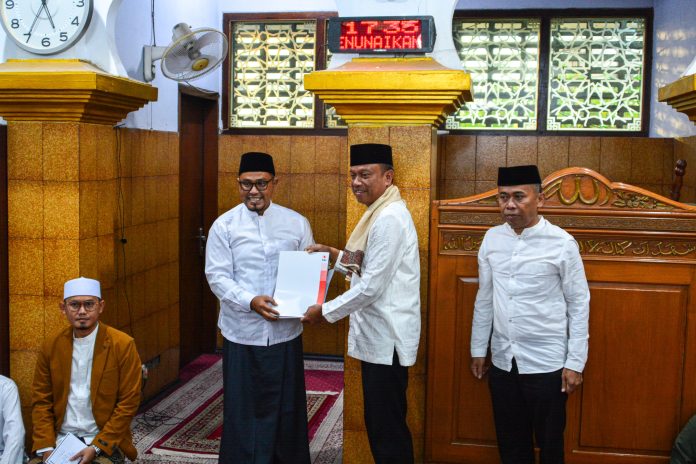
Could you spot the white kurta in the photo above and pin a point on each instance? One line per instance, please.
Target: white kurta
(384, 303)
(11, 425)
(533, 294)
(79, 419)
(241, 262)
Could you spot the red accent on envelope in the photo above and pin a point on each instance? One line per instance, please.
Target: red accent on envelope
(322, 280)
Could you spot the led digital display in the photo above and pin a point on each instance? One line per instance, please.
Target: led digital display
(414, 34)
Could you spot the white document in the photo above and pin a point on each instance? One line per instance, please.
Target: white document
(302, 282)
(67, 447)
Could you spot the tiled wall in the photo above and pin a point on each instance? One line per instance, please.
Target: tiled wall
(469, 164)
(313, 182)
(414, 152)
(61, 192)
(147, 265)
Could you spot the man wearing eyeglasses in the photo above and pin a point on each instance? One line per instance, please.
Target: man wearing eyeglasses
(86, 382)
(265, 409)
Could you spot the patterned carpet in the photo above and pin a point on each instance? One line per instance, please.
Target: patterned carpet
(185, 426)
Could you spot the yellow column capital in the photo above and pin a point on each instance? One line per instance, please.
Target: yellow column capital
(392, 91)
(68, 90)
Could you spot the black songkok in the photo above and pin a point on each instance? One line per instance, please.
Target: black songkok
(255, 162)
(370, 153)
(518, 175)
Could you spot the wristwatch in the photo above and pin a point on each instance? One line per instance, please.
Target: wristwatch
(96, 449)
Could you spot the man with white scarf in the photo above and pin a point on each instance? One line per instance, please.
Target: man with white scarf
(382, 262)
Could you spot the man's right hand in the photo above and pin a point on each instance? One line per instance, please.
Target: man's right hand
(479, 367)
(333, 252)
(45, 455)
(263, 305)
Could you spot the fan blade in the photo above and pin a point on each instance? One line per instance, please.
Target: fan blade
(207, 39)
(177, 63)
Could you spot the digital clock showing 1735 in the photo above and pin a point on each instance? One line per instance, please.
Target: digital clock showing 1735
(383, 34)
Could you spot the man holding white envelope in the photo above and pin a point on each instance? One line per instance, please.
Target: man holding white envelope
(381, 258)
(265, 409)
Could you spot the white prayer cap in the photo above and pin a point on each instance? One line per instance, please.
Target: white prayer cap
(81, 287)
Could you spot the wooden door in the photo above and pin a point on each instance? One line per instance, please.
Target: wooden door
(198, 145)
(639, 252)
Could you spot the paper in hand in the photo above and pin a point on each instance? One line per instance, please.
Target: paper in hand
(302, 282)
(67, 447)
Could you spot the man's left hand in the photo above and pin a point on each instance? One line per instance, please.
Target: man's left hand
(570, 380)
(85, 456)
(313, 315)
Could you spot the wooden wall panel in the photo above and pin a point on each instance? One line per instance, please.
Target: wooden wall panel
(472, 405)
(622, 391)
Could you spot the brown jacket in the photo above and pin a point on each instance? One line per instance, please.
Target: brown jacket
(114, 389)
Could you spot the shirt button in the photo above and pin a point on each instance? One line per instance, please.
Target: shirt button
(510, 298)
(509, 320)
(513, 342)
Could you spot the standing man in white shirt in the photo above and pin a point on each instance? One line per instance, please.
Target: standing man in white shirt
(87, 382)
(11, 424)
(533, 297)
(265, 403)
(381, 260)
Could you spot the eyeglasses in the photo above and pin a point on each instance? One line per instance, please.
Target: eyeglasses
(261, 184)
(89, 305)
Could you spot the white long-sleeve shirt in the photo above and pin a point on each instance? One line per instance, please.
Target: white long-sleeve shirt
(241, 262)
(79, 419)
(11, 425)
(533, 293)
(384, 302)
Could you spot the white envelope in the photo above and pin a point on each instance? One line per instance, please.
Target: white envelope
(302, 282)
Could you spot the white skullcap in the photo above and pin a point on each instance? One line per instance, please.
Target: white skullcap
(81, 287)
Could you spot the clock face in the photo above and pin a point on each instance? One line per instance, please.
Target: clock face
(45, 26)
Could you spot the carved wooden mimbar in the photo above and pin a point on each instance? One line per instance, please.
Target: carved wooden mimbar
(639, 251)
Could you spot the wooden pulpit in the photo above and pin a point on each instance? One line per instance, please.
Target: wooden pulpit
(639, 252)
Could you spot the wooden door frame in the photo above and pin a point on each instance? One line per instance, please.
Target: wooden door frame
(4, 259)
(210, 173)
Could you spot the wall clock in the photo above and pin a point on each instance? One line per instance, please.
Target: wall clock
(45, 27)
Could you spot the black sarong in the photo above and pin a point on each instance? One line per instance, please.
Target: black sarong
(265, 404)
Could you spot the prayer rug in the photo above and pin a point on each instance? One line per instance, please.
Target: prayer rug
(186, 425)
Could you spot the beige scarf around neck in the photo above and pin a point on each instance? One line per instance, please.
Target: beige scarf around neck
(355, 248)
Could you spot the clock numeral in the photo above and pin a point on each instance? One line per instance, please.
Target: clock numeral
(9, 4)
(80, 3)
(46, 42)
(75, 21)
(28, 34)
(63, 36)
(15, 24)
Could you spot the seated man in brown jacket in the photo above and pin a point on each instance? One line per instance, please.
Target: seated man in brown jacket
(87, 382)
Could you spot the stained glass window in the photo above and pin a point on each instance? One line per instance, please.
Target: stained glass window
(591, 72)
(596, 74)
(269, 60)
(502, 56)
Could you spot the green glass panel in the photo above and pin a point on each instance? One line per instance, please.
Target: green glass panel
(502, 56)
(596, 74)
(269, 61)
